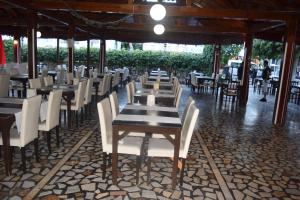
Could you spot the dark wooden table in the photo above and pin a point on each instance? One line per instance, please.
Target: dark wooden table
(153, 119)
(7, 110)
(162, 85)
(162, 78)
(162, 97)
(68, 93)
(23, 78)
(201, 79)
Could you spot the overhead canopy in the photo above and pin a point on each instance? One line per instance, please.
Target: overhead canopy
(186, 21)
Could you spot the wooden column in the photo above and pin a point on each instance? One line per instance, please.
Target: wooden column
(32, 45)
(70, 48)
(17, 49)
(102, 56)
(217, 57)
(282, 95)
(88, 57)
(57, 51)
(244, 90)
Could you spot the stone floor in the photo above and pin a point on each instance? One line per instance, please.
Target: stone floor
(236, 153)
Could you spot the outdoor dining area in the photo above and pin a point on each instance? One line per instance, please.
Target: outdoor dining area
(97, 115)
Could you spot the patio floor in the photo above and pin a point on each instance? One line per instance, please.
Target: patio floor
(236, 153)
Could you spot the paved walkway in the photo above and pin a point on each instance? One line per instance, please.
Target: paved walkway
(236, 153)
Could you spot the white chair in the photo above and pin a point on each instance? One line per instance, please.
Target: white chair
(129, 93)
(116, 80)
(48, 81)
(31, 92)
(52, 119)
(150, 100)
(102, 88)
(178, 97)
(29, 128)
(79, 101)
(164, 148)
(128, 145)
(88, 96)
(114, 102)
(76, 81)
(70, 78)
(35, 83)
(4, 85)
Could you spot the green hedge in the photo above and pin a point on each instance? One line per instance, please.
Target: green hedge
(138, 59)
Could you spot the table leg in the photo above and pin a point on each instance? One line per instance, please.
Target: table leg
(6, 144)
(69, 112)
(97, 88)
(24, 90)
(176, 156)
(115, 155)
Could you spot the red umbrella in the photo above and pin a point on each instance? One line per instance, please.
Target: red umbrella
(2, 54)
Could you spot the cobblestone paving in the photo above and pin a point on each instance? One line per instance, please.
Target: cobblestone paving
(19, 183)
(256, 159)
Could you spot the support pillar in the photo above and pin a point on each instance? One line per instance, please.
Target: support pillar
(217, 57)
(70, 48)
(17, 49)
(244, 88)
(32, 45)
(282, 95)
(57, 51)
(88, 57)
(102, 56)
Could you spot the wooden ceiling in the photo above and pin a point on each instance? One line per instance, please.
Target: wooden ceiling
(187, 21)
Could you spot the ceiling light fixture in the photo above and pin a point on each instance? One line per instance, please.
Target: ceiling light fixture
(159, 29)
(158, 12)
(38, 34)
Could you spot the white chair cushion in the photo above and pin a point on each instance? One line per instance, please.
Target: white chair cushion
(14, 138)
(128, 145)
(42, 126)
(157, 135)
(162, 148)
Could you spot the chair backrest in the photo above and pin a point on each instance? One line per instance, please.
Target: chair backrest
(105, 118)
(35, 83)
(178, 97)
(142, 81)
(133, 86)
(80, 95)
(103, 85)
(88, 91)
(91, 73)
(188, 128)
(4, 85)
(53, 109)
(114, 102)
(48, 81)
(116, 78)
(129, 93)
(31, 92)
(70, 78)
(189, 102)
(30, 119)
(108, 83)
(151, 100)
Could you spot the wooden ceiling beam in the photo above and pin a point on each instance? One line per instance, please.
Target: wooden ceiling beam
(183, 11)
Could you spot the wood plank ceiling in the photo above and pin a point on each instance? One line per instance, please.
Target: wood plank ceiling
(187, 21)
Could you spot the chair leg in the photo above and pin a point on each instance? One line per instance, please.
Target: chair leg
(104, 165)
(0, 152)
(57, 135)
(76, 119)
(86, 111)
(138, 163)
(81, 113)
(36, 150)
(49, 141)
(23, 157)
(65, 117)
(148, 169)
(182, 171)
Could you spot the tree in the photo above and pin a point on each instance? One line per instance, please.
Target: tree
(229, 51)
(267, 49)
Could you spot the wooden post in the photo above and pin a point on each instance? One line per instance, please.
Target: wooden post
(217, 57)
(88, 57)
(70, 47)
(282, 95)
(31, 35)
(17, 49)
(244, 88)
(102, 56)
(57, 51)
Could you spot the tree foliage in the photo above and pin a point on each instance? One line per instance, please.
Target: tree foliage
(267, 49)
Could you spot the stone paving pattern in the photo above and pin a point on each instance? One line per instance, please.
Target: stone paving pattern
(256, 159)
